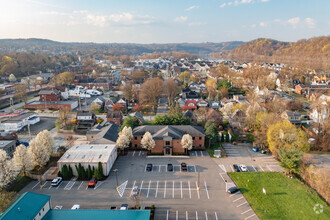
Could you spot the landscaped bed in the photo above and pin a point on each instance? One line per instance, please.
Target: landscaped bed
(285, 198)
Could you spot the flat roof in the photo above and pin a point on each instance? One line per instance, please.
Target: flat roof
(82, 214)
(51, 103)
(4, 143)
(88, 153)
(18, 118)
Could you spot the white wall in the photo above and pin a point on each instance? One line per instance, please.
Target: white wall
(43, 211)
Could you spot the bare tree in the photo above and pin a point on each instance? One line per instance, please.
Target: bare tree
(150, 92)
(171, 90)
(21, 92)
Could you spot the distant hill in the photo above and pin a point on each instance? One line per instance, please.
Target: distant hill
(314, 50)
(200, 49)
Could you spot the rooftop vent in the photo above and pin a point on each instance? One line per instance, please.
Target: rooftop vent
(91, 147)
(100, 156)
(68, 156)
(83, 157)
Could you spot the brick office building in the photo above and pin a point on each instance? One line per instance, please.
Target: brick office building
(49, 95)
(168, 137)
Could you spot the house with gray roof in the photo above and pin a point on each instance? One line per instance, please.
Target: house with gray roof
(168, 137)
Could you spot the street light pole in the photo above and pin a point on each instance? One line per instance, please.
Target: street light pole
(198, 188)
(116, 170)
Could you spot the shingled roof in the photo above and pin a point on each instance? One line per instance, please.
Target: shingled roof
(174, 131)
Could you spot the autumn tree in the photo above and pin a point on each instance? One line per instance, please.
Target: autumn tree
(130, 91)
(6, 199)
(65, 78)
(21, 92)
(139, 76)
(22, 160)
(227, 108)
(321, 124)
(64, 118)
(187, 142)
(171, 90)
(255, 75)
(290, 160)
(150, 92)
(41, 148)
(221, 71)
(147, 141)
(95, 108)
(130, 121)
(185, 76)
(284, 135)
(12, 78)
(211, 86)
(118, 107)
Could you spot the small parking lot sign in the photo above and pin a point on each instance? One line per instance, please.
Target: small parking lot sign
(217, 153)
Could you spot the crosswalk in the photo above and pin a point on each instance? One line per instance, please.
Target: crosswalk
(232, 150)
(186, 215)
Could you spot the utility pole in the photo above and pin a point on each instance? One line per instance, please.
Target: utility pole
(116, 170)
(198, 188)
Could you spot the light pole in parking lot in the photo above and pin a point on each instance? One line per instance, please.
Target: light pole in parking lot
(116, 170)
(198, 188)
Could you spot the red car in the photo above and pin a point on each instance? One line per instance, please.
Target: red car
(92, 183)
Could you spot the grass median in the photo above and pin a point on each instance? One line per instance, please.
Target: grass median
(285, 198)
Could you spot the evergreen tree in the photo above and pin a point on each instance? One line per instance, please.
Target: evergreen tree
(89, 172)
(83, 173)
(222, 138)
(70, 172)
(65, 172)
(100, 170)
(227, 137)
(78, 171)
(59, 174)
(96, 174)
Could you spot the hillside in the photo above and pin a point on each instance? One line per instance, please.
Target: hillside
(314, 50)
(34, 44)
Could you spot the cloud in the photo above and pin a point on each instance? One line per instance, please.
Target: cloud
(96, 20)
(310, 22)
(264, 0)
(181, 19)
(263, 24)
(241, 2)
(253, 25)
(223, 5)
(294, 21)
(192, 7)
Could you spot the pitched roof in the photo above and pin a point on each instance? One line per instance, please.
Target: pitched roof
(27, 206)
(174, 131)
(48, 92)
(137, 114)
(84, 113)
(114, 114)
(212, 113)
(110, 133)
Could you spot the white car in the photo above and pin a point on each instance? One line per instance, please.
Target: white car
(135, 191)
(243, 168)
(75, 206)
(124, 207)
(57, 181)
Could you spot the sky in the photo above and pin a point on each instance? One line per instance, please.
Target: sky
(164, 21)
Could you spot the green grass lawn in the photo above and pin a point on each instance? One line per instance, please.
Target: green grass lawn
(285, 198)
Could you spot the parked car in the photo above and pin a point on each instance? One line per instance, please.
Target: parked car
(243, 168)
(169, 167)
(124, 207)
(236, 168)
(255, 149)
(113, 207)
(184, 167)
(75, 206)
(92, 183)
(232, 190)
(135, 191)
(149, 167)
(57, 181)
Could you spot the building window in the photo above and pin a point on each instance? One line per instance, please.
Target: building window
(43, 209)
(200, 138)
(135, 145)
(200, 145)
(135, 138)
(39, 213)
(167, 143)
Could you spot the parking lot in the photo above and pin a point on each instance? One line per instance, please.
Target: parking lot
(198, 193)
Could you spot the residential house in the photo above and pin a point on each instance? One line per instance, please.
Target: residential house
(115, 117)
(237, 119)
(103, 135)
(132, 103)
(85, 120)
(293, 117)
(201, 103)
(168, 137)
(138, 115)
(192, 116)
(214, 116)
(9, 146)
(214, 104)
(181, 102)
(190, 105)
(100, 101)
(49, 95)
(239, 98)
(109, 103)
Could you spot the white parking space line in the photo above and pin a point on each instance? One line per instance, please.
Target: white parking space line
(207, 192)
(232, 169)
(165, 189)
(195, 168)
(223, 168)
(50, 186)
(59, 185)
(133, 153)
(273, 162)
(196, 215)
(167, 215)
(132, 188)
(197, 190)
(141, 187)
(250, 216)
(159, 168)
(173, 190)
(196, 153)
(246, 211)
(69, 185)
(189, 189)
(98, 185)
(140, 153)
(176, 215)
(36, 185)
(269, 168)
(145, 169)
(148, 188)
(206, 216)
(187, 215)
(202, 154)
(238, 199)
(156, 189)
(261, 168)
(80, 185)
(241, 204)
(216, 216)
(254, 168)
(239, 192)
(222, 177)
(181, 189)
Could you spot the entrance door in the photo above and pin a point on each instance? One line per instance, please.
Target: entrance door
(168, 151)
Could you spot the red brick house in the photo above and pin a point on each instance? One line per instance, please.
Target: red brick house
(49, 95)
(168, 137)
(190, 105)
(115, 117)
(214, 116)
